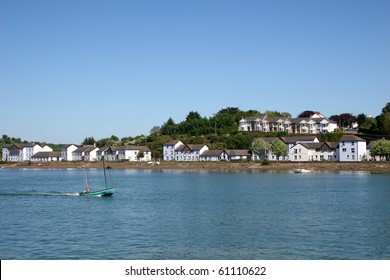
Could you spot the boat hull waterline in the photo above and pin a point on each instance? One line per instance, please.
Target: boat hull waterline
(301, 170)
(101, 193)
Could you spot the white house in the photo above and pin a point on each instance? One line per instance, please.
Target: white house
(22, 152)
(238, 154)
(352, 148)
(190, 152)
(170, 148)
(222, 155)
(47, 156)
(67, 152)
(322, 151)
(128, 153)
(134, 153)
(317, 123)
(213, 155)
(289, 141)
(85, 153)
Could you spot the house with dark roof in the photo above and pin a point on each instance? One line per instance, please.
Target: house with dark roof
(46, 156)
(85, 153)
(321, 151)
(22, 152)
(213, 155)
(126, 153)
(317, 123)
(190, 152)
(67, 152)
(352, 148)
(225, 155)
(170, 148)
(289, 141)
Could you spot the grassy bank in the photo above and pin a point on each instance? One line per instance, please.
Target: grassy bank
(375, 167)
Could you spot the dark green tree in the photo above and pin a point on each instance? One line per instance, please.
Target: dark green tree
(89, 141)
(279, 149)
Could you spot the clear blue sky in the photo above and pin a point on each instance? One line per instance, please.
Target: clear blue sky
(70, 69)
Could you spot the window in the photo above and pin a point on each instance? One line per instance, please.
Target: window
(344, 150)
(352, 150)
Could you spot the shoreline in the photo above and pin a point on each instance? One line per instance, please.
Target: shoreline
(373, 167)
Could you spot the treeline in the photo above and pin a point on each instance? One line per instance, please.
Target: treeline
(220, 131)
(379, 125)
(223, 122)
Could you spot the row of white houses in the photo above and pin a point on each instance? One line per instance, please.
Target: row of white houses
(300, 148)
(317, 123)
(34, 152)
(176, 150)
(349, 148)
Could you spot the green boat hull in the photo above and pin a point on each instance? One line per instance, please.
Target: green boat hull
(105, 192)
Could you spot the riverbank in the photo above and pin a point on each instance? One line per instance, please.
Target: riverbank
(374, 167)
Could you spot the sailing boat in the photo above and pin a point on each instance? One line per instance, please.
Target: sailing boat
(104, 192)
(301, 170)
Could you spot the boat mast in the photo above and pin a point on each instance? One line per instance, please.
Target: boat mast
(104, 170)
(85, 178)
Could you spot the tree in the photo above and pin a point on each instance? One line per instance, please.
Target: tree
(279, 148)
(384, 119)
(344, 119)
(193, 116)
(229, 110)
(89, 141)
(381, 148)
(369, 126)
(306, 114)
(238, 141)
(259, 146)
(155, 130)
(169, 127)
(331, 136)
(386, 124)
(361, 118)
(386, 109)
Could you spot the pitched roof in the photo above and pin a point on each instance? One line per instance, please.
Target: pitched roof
(350, 137)
(270, 139)
(238, 152)
(172, 143)
(85, 148)
(212, 153)
(319, 145)
(46, 155)
(295, 139)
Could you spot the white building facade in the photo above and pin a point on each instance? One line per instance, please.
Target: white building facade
(125, 153)
(322, 151)
(67, 152)
(22, 152)
(85, 153)
(317, 123)
(190, 152)
(352, 148)
(170, 148)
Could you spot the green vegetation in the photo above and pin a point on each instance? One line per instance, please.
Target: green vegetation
(381, 148)
(221, 132)
(279, 149)
(378, 125)
(259, 145)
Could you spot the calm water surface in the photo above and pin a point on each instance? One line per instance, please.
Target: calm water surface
(195, 215)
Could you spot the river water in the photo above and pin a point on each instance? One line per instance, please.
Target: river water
(194, 215)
